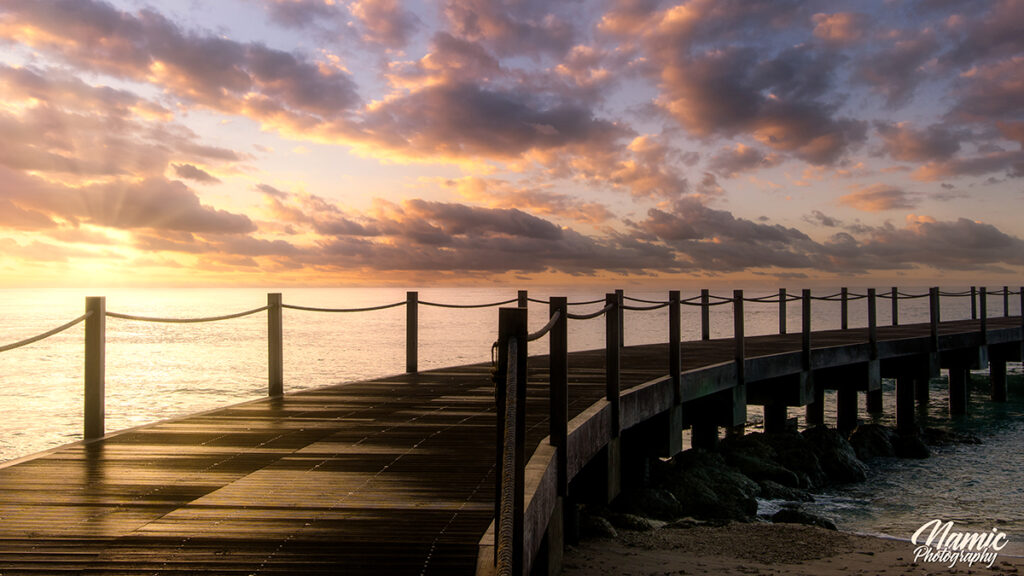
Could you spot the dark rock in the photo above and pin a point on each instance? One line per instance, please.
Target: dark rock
(873, 440)
(795, 453)
(634, 522)
(775, 491)
(596, 527)
(707, 487)
(837, 457)
(795, 516)
(650, 502)
(760, 469)
(911, 446)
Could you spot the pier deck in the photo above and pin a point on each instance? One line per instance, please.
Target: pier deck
(387, 476)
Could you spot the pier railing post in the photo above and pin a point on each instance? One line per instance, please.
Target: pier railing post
(816, 409)
(620, 301)
(558, 401)
(874, 397)
(782, 310)
(675, 352)
(739, 396)
(844, 308)
(95, 367)
(974, 303)
(523, 299)
(511, 325)
(412, 329)
(983, 313)
(612, 359)
(275, 344)
(895, 292)
(934, 317)
(1006, 301)
(705, 314)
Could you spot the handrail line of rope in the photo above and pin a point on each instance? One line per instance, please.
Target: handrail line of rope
(488, 305)
(547, 327)
(369, 309)
(957, 294)
(642, 301)
(505, 547)
(719, 303)
(47, 334)
(906, 296)
(689, 300)
(590, 315)
(583, 303)
(645, 308)
(186, 320)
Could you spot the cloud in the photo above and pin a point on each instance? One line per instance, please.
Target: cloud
(902, 142)
(878, 198)
(842, 28)
(1010, 162)
(190, 172)
(501, 194)
(385, 22)
(510, 27)
(209, 70)
(990, 91)
(819, 218)
(898, 66)
(729, 162)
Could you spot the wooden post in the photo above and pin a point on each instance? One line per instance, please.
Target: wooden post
(558, 401)
(983, 311)
(933, 314)
(905, 404)
(275, 343)
(815, 410)
(512, 325)
(997, 377)
(95, 367)
(1006, 301)
(775, 415)
(895, 306)
(705, 314)
(844, 308)
(846, 414)
(523, 298)
(739, 352)
(412, 329)
(620, 301)
(782, 310)
(612, 358)
(874, 397)
(959, 376)
(675, 351)
(974, 303)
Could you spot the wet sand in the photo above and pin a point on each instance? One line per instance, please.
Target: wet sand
(758, 549)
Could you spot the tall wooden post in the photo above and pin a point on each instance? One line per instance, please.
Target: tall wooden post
(782, 310)
(275, 344)
(905, 387)
(934, 317)
(895, 292)
(1006, 301)
(983, 312)
(512, 326)
(705, 314)
(612, 358)
(675, 351)
(95, 367)
(739, 396)
(874, 397)
(620, 302)
(558, 376)
(816, 409)
(959, 378)
(844, 308)
(523, 299)
(412, 332)
(974, 303)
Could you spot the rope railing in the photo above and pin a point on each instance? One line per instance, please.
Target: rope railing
(547, 328)
(646, 308)
(121, 316)
(591, 315)
(46, 334)
(344, 310)
(690, 302)
(642, 301)
(467, 306)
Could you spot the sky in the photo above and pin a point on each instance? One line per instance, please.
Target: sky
(380, 142)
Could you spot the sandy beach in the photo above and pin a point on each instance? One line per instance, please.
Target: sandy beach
(757, 549)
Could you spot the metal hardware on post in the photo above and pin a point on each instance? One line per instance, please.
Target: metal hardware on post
(95, 367)
(705, 314)
(612, 359)
(558, 400)
(675, 352)
(275, 343)
(782, 310)
(412, 329)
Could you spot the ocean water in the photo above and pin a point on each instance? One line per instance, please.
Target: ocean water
(158, 371)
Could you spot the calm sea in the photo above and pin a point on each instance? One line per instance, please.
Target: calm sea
(157, 371)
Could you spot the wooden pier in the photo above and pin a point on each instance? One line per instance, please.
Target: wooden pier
(403, 475)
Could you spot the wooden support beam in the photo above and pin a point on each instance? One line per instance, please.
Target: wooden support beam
(775, 415)
(874, 404)
(959, 377)
(95, 367)
(846, 409)
(905, 404)
(997, 378)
